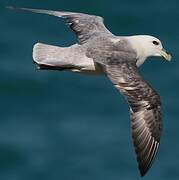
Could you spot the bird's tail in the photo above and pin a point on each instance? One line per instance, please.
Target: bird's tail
(48, 57)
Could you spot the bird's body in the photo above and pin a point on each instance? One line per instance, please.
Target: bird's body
(99, 51)
(80, 58)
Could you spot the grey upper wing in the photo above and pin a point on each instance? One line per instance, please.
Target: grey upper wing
(85, 26)
(144, 103)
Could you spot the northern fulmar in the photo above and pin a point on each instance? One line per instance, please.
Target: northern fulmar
(118, 57)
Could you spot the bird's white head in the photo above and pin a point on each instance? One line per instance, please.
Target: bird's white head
(146, 46)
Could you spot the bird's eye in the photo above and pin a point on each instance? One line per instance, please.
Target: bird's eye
(155, 43)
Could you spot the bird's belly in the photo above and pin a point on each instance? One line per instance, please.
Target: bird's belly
(87, 66)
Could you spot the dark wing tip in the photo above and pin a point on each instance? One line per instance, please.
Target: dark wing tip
(142, 173)
(146, 163)
(143, 170)
(146, 137)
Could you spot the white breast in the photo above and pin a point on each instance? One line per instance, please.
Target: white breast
(140, 61)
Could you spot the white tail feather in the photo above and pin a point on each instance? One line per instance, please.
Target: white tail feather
(47, 55)
(61, 58)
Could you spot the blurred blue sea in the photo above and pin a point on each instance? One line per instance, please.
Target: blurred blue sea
(60, 125)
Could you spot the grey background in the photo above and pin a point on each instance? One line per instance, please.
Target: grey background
(60, 125)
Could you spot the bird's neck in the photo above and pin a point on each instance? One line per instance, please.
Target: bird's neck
(138, 48)
(140, 61)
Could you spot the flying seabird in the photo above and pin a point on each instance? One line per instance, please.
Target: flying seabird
(99, 51)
